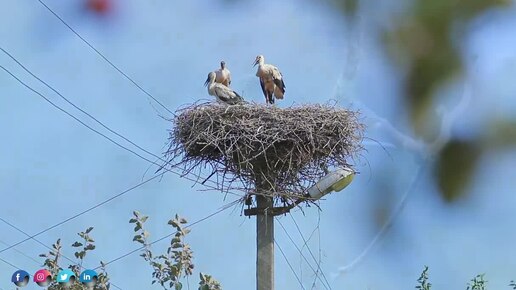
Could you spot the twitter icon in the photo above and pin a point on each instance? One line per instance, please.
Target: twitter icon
(65, 278)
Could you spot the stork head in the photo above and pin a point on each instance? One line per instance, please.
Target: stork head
(211, 77)
(259, 60)
(222, 64)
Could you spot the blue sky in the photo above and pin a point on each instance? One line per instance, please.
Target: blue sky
(52, 168)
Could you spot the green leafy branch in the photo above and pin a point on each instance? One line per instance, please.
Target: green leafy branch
(477, 283)
(53, 263)
(177, 262)
(423, 280)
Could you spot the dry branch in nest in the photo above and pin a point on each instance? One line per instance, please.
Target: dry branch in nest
(249, 146)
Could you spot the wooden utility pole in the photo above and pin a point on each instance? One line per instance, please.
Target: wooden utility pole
(265, 213)
(264, 243)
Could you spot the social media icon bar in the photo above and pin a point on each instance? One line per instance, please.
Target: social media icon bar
(88, 278)
(20, 278)
(43, 277)
(65, 277)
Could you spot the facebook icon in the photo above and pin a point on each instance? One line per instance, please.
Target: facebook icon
(88, 278)
(20, 278)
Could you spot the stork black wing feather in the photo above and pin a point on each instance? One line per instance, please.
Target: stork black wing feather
(280, 84)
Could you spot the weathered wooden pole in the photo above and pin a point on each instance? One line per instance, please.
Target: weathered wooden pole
(264, 243)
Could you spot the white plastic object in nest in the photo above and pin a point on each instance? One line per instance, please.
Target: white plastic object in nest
(333, 181)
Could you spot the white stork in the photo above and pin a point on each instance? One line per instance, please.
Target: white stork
(223, 75)
(221, 92)
(271, 80)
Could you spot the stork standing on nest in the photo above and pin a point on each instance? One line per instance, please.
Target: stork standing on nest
(221, 92)
(223, 75)
(271, 80)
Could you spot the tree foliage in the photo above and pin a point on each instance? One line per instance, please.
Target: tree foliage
(169, 268)
(54, 263)
(177, 262)
(426, 41)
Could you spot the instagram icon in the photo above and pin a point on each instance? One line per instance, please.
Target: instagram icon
(43, 277)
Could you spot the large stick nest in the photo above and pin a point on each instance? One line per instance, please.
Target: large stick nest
(249, 146)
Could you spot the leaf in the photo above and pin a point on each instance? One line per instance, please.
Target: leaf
(89, 247)
(179, 286)
(455, 166)
(183, 220)
(174, 271)
(77, 244)
(89, 230)
(144, 219)
(132, 221)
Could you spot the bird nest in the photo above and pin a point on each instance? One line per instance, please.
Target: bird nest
(263, 149)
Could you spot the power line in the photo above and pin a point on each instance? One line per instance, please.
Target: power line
(105, 58)
(80, 213)
(77, 107)
(32, 238)
(102, 134)
(304, 257)
(305, 241)
(21, 253)
(75, 118)
(388, 224)
(289, 265)
(169, 235)
(9, 263)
